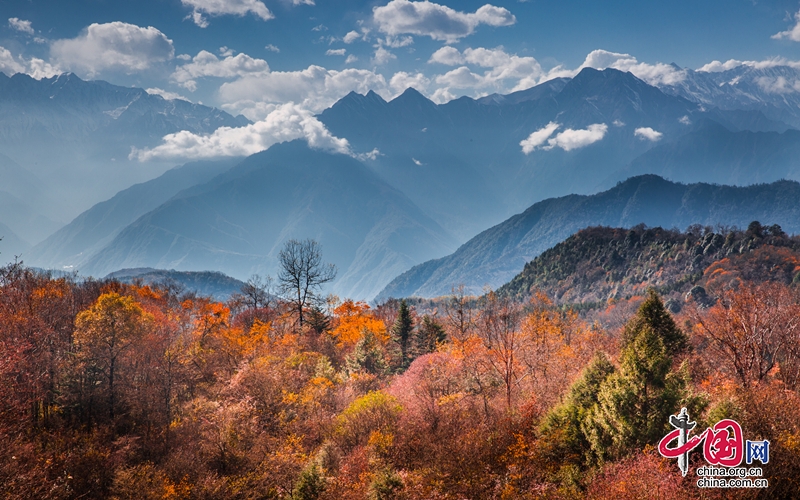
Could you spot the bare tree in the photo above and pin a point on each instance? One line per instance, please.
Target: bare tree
(302, 274)
(257, 292)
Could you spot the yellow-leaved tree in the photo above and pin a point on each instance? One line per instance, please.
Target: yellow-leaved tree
(105, 335)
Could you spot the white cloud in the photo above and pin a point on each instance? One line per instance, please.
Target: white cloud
(34, 67)
(685, 120)
(654, 74)
(618, 123)
(791, 34)
(223, 7)
(336, 52)
(417, 162)
(372, 155)
(206, 64)
(436, 21)
(538, 138)
(400, 81)
(351, 59)
(20, 25)
(351, 36)
(396, 42)
(506, 72)
(315, 87)
(165, 94)
(648, 134)
(117, 46)
(777, 85)
(571, 139)
(285, 123)
(447, 55)
(303, 2)
(272, 48)
(382, 55)
(9, 64)
(717, 66)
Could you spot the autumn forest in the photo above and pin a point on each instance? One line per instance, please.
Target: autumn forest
(133, 391)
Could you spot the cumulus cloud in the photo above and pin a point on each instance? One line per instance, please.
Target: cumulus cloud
(165, 94)
(654, 74)
(382, 55)
(351, 37)
(285, 123)
(223, 7)
(36, 68)
(648, 134)
(272, 48)
(447, 55)
(436, 21)
(717, 66)
(567, 140)
(350, 59)
(538, 138)
(20, 25)
(336, 52)
(315, 87)
(206, 64)
(117, 46)
(778, 84)
(505, 71)
(791, 34)
(400, 81)
(571, 139)
(685, 120)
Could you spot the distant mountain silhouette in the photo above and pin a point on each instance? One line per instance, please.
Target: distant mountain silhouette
(72, 245)
(238, 222)
(496, 255)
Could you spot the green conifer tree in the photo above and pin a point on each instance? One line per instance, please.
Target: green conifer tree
(428, 336)
(401, 333)
(653, 314)
(634, 404)
(367, 356)
(562, 430)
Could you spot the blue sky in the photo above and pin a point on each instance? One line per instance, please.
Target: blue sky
(293, 35)
(254, 56)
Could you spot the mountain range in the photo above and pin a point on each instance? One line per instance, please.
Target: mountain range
(438, 175)
(237, 222)
(64, 142)
(495, 256)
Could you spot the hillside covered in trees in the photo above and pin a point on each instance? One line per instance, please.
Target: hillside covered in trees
(598, 265)
(133, 391)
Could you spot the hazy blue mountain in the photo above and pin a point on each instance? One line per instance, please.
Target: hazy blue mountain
(72, 245)
(24, 219)
(496, 255)
(11, 245)
(204, 283)
(712, 153)
(462, 162)
(238, 222)
(76, 135)
(771, 89)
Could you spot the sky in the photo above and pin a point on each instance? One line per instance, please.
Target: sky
(297, 57)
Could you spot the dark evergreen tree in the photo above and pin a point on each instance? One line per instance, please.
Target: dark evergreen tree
(401, 333)
(654, 315)
(634, 404)
(367, 356)
(318, 321)
(562, 430)
(428, 336)
(310, 484)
